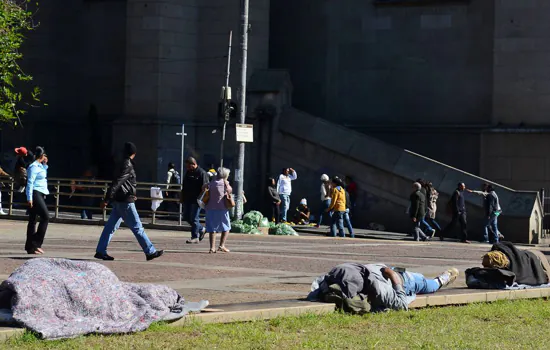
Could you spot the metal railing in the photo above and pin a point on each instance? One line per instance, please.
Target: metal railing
(74, 190)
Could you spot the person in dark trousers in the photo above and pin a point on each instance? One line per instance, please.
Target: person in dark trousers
(457, 206)
(351, 188)
(36, 191)
(347, 214)
(193, 182)
(417, 211)
(122, 195)
(274, 200)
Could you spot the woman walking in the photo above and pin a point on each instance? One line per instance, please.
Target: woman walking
(217, 213)
(36, 191)
(325, 198)
(274, 200)
(431, 204)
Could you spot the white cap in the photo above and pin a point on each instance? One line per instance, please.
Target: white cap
(324, 178)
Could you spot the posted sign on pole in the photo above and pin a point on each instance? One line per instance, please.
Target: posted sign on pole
(245, 133)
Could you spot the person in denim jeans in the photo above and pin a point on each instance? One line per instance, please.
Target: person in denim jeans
(347, 220)
(123, 194)
(415, 283)
(284, 187)
(325, 197)
(338, 207)
(192, 185)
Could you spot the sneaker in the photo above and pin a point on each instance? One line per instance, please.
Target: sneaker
(3, 212)
(155, 255)
(448, 277)
(317, 226)
(201, 234)
(426, 239)
(465, 241)
(192, 241)
(105, 257)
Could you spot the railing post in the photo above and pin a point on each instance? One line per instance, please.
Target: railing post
(10, 207)
(57, 200)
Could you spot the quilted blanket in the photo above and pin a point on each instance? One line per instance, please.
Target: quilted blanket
(59, 298)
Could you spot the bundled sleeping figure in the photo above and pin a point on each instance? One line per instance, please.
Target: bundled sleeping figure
(507, 267)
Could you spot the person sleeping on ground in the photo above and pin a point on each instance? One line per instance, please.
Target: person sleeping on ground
(358, 288)
(507, 267)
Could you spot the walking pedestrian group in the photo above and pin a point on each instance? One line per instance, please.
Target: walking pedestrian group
(212, 192)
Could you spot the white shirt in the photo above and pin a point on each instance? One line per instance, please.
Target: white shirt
(284, 185)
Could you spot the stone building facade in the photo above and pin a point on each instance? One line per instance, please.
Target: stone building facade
(466, 83)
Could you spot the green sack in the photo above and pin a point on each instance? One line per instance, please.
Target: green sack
(282, 230)
(264, 223)
(253, 218)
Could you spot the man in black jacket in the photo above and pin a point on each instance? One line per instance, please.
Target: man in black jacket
(122, 194)
(458, 209)
(417, 211)
(193, 182)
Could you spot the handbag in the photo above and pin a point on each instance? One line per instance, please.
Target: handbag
(229, 201)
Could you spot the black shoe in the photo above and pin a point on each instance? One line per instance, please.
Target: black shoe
(201, 234)
(105, 257)
(155, 255)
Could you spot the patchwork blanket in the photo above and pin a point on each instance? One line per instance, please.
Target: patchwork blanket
(59, 298)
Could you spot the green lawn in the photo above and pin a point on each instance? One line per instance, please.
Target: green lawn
(501, 325)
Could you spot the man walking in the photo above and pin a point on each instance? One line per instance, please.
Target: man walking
(417, 211)
(122, 193)
(193, 182)
(457, 206)
(492, 212)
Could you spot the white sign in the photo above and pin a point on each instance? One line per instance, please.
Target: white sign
(245, 133)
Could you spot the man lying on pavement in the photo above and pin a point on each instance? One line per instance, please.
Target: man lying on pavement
(360, 288)
(507, 267)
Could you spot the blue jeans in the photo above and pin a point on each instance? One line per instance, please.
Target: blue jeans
(324, 206)
(285, 204)
(347, 223)
(128, 213)
(191, 214)
(426, 224)
(337, 220)
(491, 224)
(416, 283)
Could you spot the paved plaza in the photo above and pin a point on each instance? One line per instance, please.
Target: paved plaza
(259, 268)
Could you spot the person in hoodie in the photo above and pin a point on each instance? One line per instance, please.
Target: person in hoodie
(122, 195)
(337, 207)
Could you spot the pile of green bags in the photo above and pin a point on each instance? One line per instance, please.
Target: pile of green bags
(254, 220)
(282, 230)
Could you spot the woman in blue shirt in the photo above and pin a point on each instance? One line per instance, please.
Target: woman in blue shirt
(37, 190)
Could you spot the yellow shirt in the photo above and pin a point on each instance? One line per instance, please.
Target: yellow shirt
(338, 199)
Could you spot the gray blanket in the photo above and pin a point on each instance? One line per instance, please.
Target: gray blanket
(59, 298)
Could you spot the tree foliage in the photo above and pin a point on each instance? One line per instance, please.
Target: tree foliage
(16, 92)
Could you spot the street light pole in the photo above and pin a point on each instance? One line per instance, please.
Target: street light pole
(239, 173)
(182, 134)
(226, 95)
